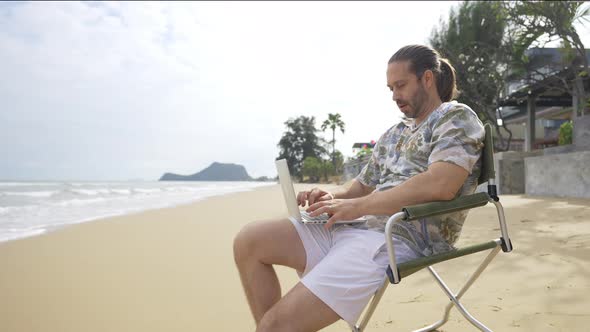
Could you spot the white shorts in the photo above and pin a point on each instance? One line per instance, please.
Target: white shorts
(346, 265)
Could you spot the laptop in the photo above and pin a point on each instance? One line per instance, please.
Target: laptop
(291, 200)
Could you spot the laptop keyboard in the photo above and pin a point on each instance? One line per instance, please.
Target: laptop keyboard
(321, 219)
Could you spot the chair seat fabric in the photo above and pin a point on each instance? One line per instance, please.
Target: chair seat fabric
(410, 267)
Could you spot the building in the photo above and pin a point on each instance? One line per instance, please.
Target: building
(533, 107)
(357, 147)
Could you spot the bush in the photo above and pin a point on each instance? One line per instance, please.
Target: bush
(566, 133)
(312, 168)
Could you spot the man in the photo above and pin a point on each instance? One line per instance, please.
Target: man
(432, 155)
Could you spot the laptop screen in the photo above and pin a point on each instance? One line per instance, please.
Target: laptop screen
(288, 190)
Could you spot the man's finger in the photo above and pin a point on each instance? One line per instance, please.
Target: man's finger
(331, 221)
(301, 198)
(322, 208)
(316, 206)
(313, 196)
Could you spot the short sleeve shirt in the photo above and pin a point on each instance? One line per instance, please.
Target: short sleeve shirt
(452, 133)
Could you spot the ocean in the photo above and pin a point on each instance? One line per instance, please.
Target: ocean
(33, 208)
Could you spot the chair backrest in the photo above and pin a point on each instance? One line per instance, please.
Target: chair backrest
(487, 156)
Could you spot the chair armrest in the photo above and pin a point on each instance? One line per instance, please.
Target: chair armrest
(441, 207)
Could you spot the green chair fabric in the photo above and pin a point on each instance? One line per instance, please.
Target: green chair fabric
(408, 268)
(487, 162)
(435, 208)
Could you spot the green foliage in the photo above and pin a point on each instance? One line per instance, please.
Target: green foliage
(315, 168)
(298, 142)
(327, 169)
(312, 168)
(535, 23)
(552, 19)
(339, 163)
(333, 122)
(566, 133)
(473, 39)
(486, 43)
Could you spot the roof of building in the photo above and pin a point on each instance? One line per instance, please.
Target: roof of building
(548, 68)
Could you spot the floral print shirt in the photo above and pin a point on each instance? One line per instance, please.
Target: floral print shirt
(452, 133)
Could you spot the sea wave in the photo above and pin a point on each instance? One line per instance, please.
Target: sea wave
(48, 193)
(90, 192)
(25, 184)
(26, 211)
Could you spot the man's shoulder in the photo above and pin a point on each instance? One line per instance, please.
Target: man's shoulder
(456, 108)
(457, 113)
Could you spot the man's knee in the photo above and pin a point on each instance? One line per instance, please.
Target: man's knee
(273, 321)
(271, 242)
(246, 241)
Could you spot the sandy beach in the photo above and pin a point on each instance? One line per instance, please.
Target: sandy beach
(173, 270)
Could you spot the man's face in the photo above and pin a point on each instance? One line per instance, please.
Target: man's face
(408, 92)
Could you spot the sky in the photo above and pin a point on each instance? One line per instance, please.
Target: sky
(116, 91)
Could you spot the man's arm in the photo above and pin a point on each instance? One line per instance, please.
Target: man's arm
(441, 181)
(356, 190)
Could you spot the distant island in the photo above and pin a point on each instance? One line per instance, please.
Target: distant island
(216, 172)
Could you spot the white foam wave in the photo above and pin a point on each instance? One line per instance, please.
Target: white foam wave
(147, 191)
(30, 193)
(121, 191)
(90, 192)
(20, 234)
(78, 201)
(25, 184)
(16, 209)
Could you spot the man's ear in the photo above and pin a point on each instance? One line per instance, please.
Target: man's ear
(428, 78)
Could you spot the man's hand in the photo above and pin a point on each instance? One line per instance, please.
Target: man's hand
(313, 196)
(338, 209)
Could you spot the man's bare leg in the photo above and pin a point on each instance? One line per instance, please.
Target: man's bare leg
(299, 310)
(257, 247)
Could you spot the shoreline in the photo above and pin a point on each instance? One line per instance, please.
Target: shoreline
(172, 269)
(46, 229)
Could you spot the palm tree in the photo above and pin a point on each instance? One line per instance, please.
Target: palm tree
(334, 121)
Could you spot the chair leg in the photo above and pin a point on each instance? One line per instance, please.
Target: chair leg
(455, 299)
(372, 306)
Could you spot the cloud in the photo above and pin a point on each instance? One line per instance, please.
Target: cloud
(119, 90)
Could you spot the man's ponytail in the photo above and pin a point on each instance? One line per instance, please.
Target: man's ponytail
(446, 84)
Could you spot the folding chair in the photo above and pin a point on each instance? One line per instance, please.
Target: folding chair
(397, 271)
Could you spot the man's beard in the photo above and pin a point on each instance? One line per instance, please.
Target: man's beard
(416, 103)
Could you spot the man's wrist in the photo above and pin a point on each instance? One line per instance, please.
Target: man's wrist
(363, 205)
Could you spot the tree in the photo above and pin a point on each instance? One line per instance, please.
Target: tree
(334, 121)
(476, 42)
(537, 23)
(312, 168)
(298, 142)
(339, 166)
